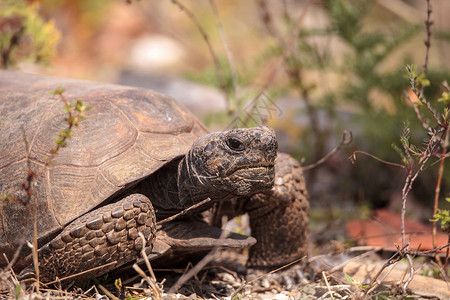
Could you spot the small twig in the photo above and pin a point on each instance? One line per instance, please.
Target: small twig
(205, 36)
(408, 186)
(268, 24)
(148, 279)
(145, 257)
(80, 273)
(264, 275)
(430, 251)
(183, 212)
(288, 50)
(15, 257)
(421, 97)
(437, 189)
(344, 142)
(108, 293)
(353, 159)
(328, 285)
(427, 42)
(341, 265)
(227, 51)
(151, 281)
(392, 260)
(411, 273)
(199, 266)
(425, 123)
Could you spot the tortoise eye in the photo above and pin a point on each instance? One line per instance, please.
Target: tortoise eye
(235, 144)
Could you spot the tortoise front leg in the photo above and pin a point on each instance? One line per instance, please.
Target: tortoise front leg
(107, 236)
(279, 218)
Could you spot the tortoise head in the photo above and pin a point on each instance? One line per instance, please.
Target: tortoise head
(237, 162)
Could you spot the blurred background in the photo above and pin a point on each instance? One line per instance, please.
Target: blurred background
(310, 69)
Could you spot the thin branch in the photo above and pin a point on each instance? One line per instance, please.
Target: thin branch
(345, 141)
(437, 189)
(227, 49)
(411, 273)
(427, 42)
(288, 50)
(264, 275)
(430, 251)
(183, 212)
(149, 266)
(353, 159)
(397, 256)
(205, 36)
(267, 21)
(151, 281)
(422, 99)
(199, 266)
(108, 293)
(81, 273)
(425, 123)
(328, 285)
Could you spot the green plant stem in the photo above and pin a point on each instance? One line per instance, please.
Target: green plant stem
(436, 196)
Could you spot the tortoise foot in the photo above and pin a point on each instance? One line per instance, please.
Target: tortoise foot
(100, 240)
(279, 218)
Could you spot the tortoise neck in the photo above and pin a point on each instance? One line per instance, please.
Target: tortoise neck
(193, 186)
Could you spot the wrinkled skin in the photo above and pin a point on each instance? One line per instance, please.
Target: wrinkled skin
(238, 162)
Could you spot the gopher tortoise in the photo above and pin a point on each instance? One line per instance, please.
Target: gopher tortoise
(138, 158)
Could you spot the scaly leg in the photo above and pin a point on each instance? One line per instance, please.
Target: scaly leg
(106, 236)
(279, 218)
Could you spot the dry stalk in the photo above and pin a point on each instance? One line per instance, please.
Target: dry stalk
(183, 212)
(199, 266)
(288, 51)
(108, 293)
(345, 141)
(148, 279)
(205, 37)
(425, 123)
(427, 42)
(264, 275)
(437, 189)
(227, 51)
(353, 159)
(392, 260)
(266, 17)
(151, 281)
(328, 285)
(80, 273)
(145, 257)
(340, 266)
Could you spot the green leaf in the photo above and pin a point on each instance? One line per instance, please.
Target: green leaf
(445, 97)
(17, 291)
(349, 279)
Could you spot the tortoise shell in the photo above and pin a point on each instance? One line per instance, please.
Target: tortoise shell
(128, 134)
